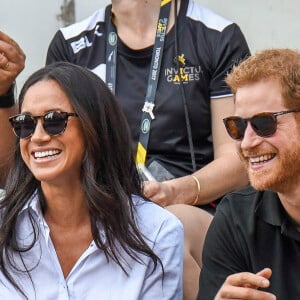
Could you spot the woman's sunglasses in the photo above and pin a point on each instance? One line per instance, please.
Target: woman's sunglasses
(264, 124)
(54, 123)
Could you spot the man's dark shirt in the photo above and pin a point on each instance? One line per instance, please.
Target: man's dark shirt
(252, 231)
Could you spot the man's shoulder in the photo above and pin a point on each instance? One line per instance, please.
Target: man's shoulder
(245, 200)
(245, 192)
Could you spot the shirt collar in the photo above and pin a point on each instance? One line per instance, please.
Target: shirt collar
(270, 210)
(33, 203)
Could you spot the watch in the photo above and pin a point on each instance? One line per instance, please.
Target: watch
(8, 100)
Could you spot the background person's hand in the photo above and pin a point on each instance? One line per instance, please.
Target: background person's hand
(245, 285)
(158, 192)
(181, 190)
(12, 62)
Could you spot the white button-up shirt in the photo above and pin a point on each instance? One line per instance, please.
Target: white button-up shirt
(93, 277)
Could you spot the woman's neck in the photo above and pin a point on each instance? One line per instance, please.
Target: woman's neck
(136, 21)
(65, 206)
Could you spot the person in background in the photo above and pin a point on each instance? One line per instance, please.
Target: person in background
(252, 247)
(166, 62)
(73, 220)
(12, 62)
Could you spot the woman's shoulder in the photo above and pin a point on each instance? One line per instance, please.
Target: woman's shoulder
(88, 24)
(153, 214)
(157, 224)
(208, 17)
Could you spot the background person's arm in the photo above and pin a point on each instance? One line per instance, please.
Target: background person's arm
(224, 174)
(12, 62)
(7, 139)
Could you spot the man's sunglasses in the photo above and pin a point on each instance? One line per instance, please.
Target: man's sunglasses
(264, 124)
(54, 123)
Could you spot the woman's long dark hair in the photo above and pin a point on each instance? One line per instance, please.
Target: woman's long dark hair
(109, 175)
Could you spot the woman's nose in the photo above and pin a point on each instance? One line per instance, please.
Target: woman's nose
(39, 132)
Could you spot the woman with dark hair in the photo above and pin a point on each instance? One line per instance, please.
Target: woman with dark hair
(73, 220)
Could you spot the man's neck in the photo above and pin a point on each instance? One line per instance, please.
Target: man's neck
(136, 21)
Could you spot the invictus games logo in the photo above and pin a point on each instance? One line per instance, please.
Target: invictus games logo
(112, 38)
(183, 71)
(181, 59)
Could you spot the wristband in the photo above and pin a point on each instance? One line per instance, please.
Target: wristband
(8, 100)
(198, 189)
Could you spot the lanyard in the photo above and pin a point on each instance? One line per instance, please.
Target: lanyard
(111, 54)
(111, 51)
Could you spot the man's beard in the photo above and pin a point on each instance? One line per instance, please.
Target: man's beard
(285, 173)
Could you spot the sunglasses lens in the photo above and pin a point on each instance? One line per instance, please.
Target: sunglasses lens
(55, 122)
(23, 125)
(235, 127)
(264, 124)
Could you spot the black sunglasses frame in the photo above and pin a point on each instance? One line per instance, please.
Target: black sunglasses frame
(48, 120)
(240, 124)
